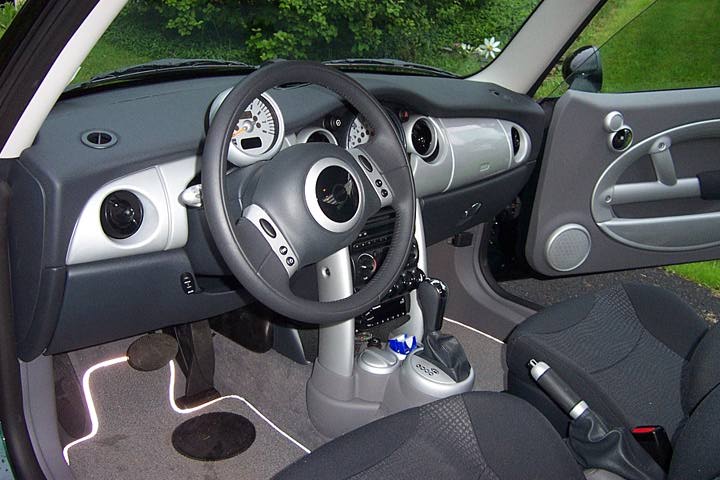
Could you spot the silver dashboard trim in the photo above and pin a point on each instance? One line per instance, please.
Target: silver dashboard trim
(164, 225)
(480, 148)
(468, 150)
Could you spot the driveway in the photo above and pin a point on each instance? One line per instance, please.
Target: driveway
(546, 292)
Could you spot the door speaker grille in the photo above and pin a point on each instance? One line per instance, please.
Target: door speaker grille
(568, 247)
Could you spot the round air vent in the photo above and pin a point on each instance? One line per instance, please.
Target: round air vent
(423, 138)
(121, 214)
(568, 247)
(99, 139)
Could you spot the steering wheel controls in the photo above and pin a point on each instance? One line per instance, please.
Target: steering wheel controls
(374, 176)
(275, 238)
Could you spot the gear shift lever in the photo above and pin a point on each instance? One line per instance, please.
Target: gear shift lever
(441, 349)
(432, 297)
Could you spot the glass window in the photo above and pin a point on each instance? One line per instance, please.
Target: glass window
(650, 45)
(461, 37)
(8, 10)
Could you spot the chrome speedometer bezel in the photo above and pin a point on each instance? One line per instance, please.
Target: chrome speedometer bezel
(236, 155)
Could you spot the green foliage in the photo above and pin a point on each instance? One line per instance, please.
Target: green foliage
(322, 29)
(7, 13)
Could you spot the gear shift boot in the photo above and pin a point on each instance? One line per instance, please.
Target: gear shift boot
(446, 352)
(440, 349)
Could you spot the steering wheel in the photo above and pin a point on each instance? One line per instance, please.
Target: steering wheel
(309, 201)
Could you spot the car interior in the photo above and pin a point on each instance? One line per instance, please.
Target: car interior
(284, 271)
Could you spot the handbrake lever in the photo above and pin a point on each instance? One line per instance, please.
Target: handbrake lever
(594, 444)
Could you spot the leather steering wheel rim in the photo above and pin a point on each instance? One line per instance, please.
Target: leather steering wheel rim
(258, 270)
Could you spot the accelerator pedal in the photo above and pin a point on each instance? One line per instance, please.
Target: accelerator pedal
(214, 436)
(152, 352)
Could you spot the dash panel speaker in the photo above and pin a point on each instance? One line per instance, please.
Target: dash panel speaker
(568, 247)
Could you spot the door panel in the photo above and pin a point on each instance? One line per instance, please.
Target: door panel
(598, 209)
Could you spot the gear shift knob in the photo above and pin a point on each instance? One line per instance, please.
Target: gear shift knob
(432, 298)
(442, 350)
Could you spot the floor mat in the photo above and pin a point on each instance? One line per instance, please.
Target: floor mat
(136, 422)
(272, 382)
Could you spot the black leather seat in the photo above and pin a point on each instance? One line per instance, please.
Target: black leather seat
(636, 354)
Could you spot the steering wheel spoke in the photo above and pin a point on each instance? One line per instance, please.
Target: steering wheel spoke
(275, 241)
(378, 181)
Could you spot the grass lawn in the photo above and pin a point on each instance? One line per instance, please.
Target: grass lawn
(672, 44)
(107, 56)
(704, 273)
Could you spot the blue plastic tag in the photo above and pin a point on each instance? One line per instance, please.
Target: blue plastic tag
(403, 344)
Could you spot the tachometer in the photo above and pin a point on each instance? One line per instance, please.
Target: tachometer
(358, 133)
(256, 129)
(259, 131)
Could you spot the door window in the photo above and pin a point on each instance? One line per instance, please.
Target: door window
(650, 45)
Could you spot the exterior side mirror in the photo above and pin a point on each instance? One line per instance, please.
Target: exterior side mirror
(582, 70)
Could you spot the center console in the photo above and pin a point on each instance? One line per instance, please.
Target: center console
(366, 255)
(357, 377)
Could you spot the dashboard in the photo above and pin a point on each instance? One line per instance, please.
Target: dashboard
(106, 226)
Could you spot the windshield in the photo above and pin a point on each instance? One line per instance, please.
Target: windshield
(460, 37)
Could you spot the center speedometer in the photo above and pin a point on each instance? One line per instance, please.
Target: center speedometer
(259, 131)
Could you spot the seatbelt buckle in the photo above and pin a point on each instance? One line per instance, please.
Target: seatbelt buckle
(654, 439)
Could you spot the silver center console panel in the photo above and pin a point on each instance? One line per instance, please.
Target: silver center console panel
(346, 391)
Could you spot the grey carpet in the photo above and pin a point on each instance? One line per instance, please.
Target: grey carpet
(136, 424)
(272, 382)
(136, 420)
